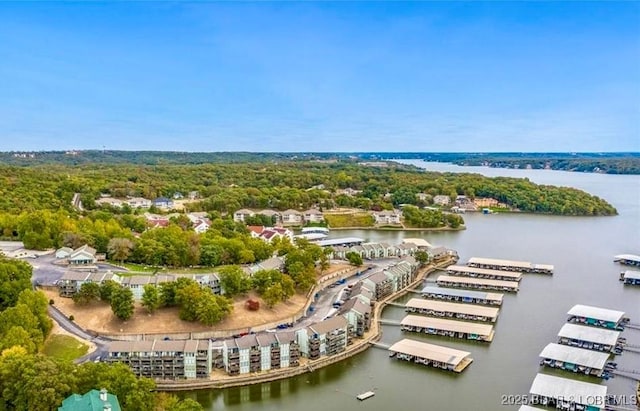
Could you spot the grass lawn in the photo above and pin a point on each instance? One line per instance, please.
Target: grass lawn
(64, 347)
(349, 220)
(141, 268)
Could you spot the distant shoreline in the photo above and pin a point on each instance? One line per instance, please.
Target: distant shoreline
(461, 228)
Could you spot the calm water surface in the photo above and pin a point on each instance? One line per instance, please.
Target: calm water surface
(580, 248)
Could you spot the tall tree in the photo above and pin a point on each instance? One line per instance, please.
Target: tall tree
(88, 293)
(122, 303)
(151, 298)
(234, 281)
(119, 249)
(15, 276)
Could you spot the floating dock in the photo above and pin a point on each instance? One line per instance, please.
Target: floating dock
(447, 328)
(466, 271)
(630, 277)
(481, 284)
(597, 317)
(627, 259)
(436, 356)
(591, 338)
(510, 265)
(365, 395)
(575, 359)
(463, 296)
(435, 308)
(566, 394)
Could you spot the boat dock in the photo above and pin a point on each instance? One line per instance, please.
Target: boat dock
(435, 308)
(345, 241)
(591, 338)
(463, 296)
(365, 395)
(597, 317)
(432, 355)
(482, 284)
(627, 259)
(566, 394)
(577, 360)
(510, 265)
(466, 271)
(630, 277)
(447, 328)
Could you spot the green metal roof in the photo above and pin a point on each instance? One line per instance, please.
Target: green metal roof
(89, 402)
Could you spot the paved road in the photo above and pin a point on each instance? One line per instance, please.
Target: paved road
(70, 326)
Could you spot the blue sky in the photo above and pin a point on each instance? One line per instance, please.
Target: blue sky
(326, 76)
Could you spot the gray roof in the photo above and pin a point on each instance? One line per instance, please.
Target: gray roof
(465, 270)
(429, 351)
(462, 293)
(573, 355)
(74, 276)
(580, 392)
(447, 325)
(286, 337)
(247, 341)
(355, 304)
(339, 241)
(590, 334)
(329, 325)
(378, 278)
(266, 339)
(445, 306)
(597, 313)
(150, 346)
(478, 281)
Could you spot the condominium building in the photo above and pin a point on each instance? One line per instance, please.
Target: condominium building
(328, 337)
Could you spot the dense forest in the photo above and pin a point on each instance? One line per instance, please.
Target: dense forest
(610, 163)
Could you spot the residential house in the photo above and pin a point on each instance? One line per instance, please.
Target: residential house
(71, 281)
(202, 226)
(93, 400)
(273, 263)
(387, 217)
(328, 337)
(358, 315)
(84, 255)
(441, 200)
(313, 216)
(178, 195)
(163, 203)
(109, 201)
(350, 192)
(63, 252)
(273, 215)
(242, 214)
(292, 217)
(160, 359)
(138, 202)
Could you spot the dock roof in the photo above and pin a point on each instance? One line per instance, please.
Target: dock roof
(573, 355)
(580, 392)
(429, 351)
(630, 274)
(340, 241)
(445, 306)
(590, 334)
(597, 313)
(503, 263)
(478, 281)
(628, 257)
(447, 325)
(463, 269)
(462, 293)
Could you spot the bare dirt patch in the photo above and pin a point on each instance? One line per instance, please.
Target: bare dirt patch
(98, 316)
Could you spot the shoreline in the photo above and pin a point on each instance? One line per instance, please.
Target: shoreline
(461, 228)
(358, 346)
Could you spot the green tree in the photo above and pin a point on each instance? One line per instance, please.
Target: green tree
(88, 293)
(187, 298)
(211, 308)
(151, 298)
(273, 295)
(234, 281)
(119, 249)
(421, 256)
(107, 288)
(39, 306)
(17, 336)
(122, 303)
(15, 276)
(354, 258)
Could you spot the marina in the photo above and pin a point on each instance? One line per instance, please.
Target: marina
(477, 283)
(630, 277)
(566, 394)
(463, 296)
(510, 265)
(466, 271)
(627, 259)
(446, 309)
(591, 338)
(435, 356)
(597, 317)
(577, 360)
(447, 328)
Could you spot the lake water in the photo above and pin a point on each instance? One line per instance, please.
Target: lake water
(581, 248)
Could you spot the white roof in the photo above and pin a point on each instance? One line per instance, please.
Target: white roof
(463, 269)
(496, 261)
(581, 392)
(447, 325)
(477, 281)
(630, 257)
(573, 355)
(445, 306)
(632, 274)
(590, 334)
(462, 293)
(420, 242)
(429, 351)
(597, 313)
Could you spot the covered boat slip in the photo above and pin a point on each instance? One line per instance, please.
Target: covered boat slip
(627, 259)
(596, 316)
(575, 359)
(468, 282)
(509, 265)
(566, 394)
(463, 296)
(447, 328)
(590, 338)
(433, 355)
(630, 277)
(436, 308)
(466, 271)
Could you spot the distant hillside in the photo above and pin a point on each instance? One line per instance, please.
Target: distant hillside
(609, 163)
